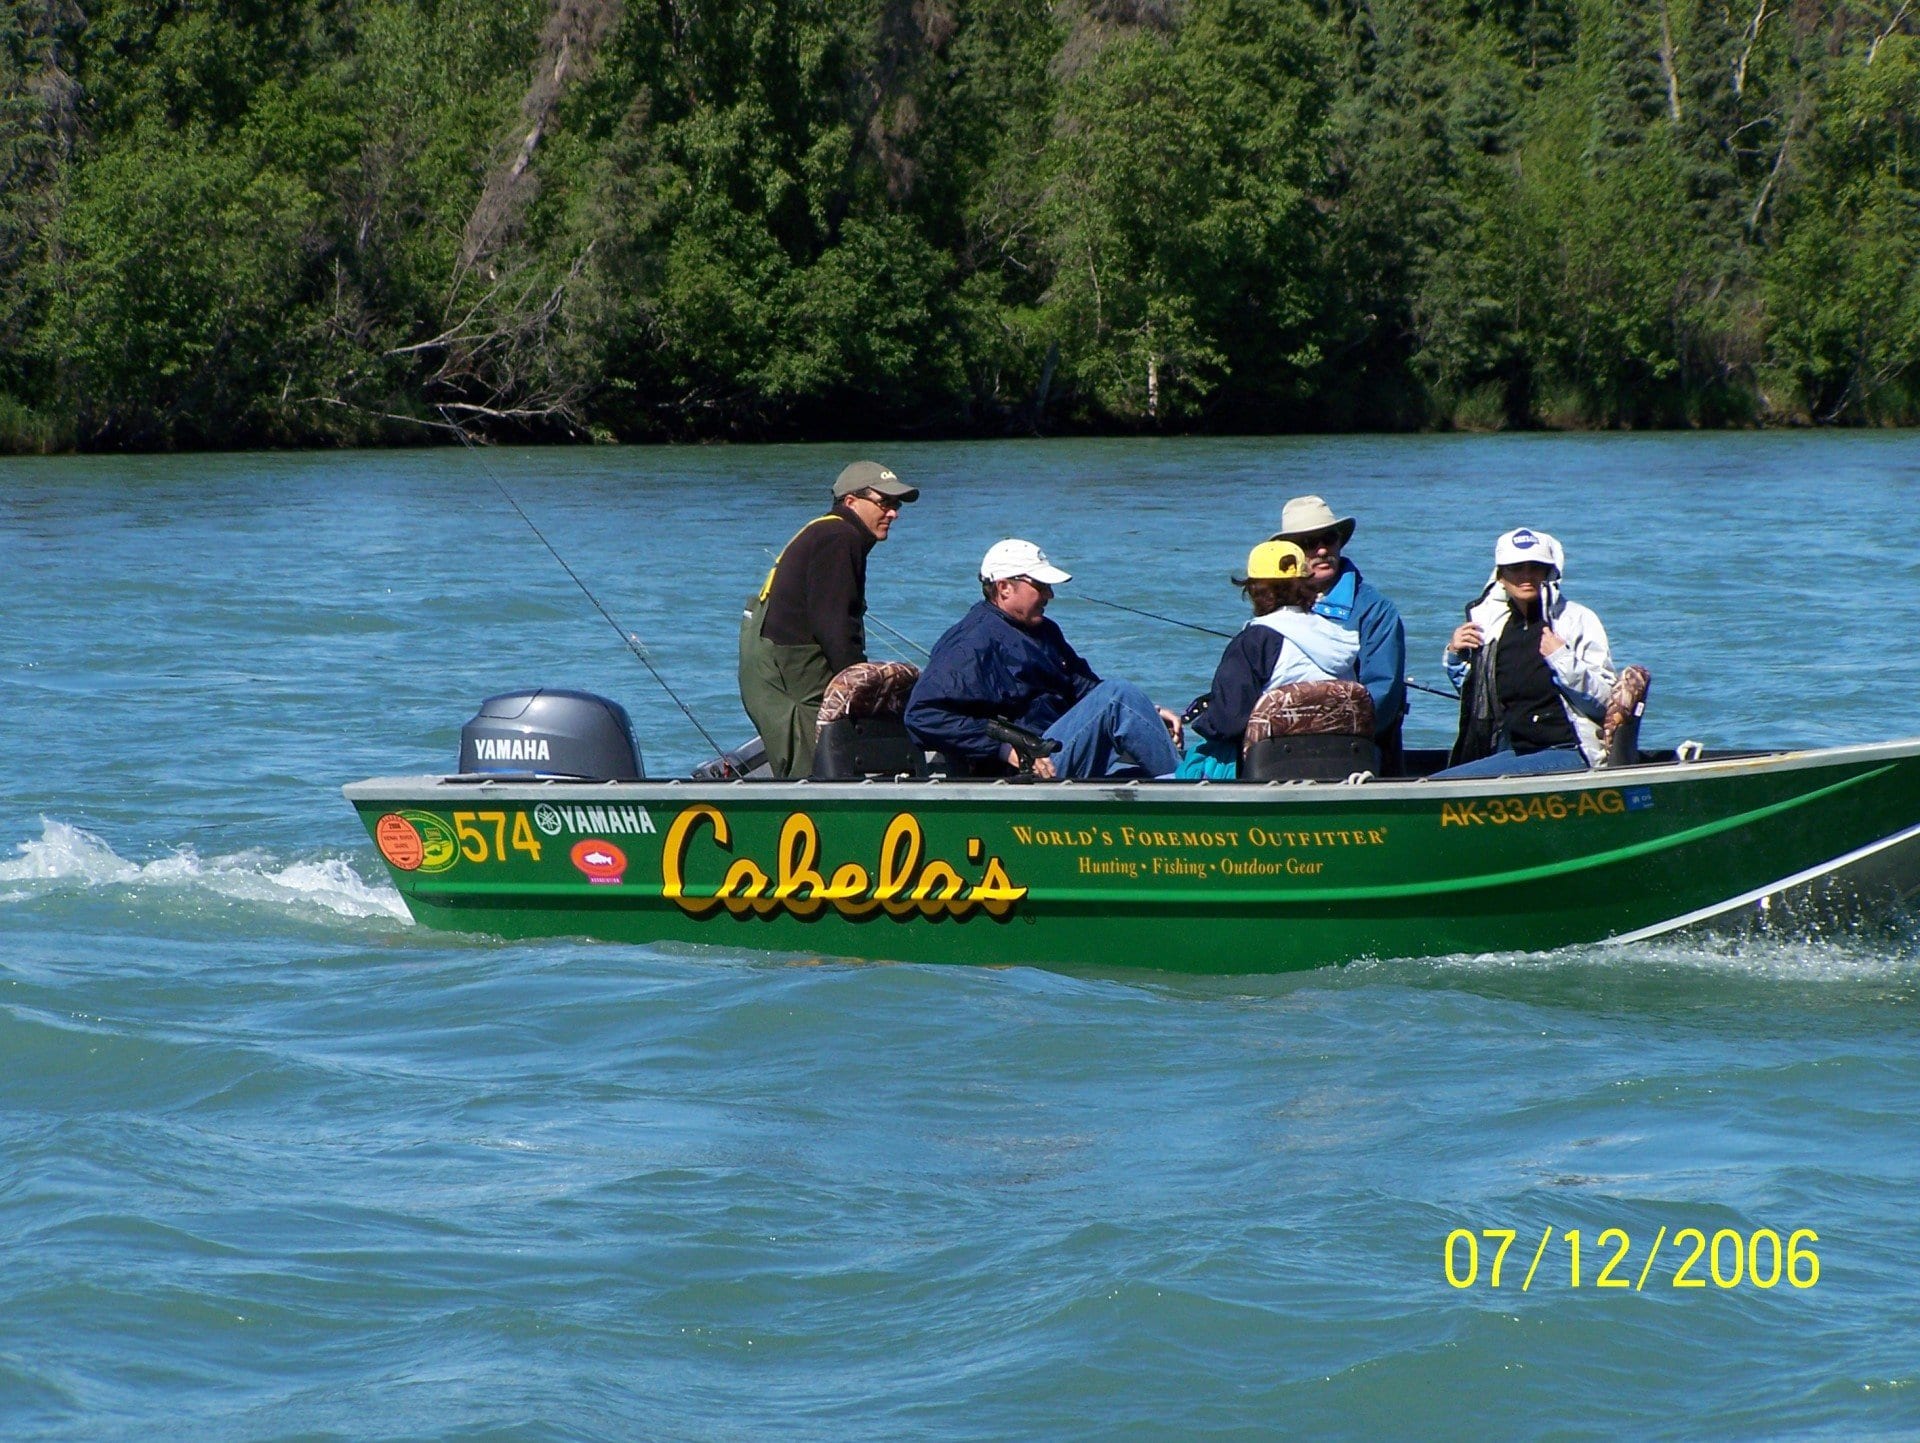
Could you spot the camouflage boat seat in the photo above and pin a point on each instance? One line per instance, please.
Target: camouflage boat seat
(1626, 704)
(860, 733)
(1310, 731)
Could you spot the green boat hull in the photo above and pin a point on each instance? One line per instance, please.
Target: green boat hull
(1218, 878)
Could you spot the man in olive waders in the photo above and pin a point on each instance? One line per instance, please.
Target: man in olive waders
(809, 621)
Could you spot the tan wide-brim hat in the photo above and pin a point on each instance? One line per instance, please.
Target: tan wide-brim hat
(1307, 515)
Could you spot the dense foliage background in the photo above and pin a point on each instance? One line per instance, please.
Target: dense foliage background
(232, 222)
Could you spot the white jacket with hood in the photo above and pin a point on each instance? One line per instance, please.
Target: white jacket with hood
(1582, 669)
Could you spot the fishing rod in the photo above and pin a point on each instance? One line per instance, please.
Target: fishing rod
(632, 641)
(1195, 626)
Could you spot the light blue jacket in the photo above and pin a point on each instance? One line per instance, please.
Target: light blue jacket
(1383, 642)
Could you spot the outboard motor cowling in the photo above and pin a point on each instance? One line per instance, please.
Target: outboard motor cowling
(551, 733)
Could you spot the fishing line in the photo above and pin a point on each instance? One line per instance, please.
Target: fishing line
(1154, 615)
(632, 642)
(1194, 626)
(903, 640)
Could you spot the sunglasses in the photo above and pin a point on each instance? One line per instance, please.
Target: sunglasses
(1315, 541)
(885, 503)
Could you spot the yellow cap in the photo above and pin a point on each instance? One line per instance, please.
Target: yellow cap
(1276, 561)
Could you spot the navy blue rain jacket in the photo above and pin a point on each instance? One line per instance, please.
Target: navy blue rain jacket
(987, 666)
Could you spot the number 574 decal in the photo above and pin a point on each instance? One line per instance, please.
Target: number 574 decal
(483, 836)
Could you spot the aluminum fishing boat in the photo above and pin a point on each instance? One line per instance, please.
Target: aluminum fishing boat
(1234, 877)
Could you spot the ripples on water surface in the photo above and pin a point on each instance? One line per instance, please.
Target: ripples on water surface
(279, 1164)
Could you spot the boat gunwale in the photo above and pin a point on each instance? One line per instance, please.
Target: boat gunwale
(1016, 792)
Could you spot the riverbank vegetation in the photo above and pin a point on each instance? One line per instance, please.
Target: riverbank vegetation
(298, 222)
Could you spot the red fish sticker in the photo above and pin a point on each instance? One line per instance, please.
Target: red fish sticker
(602, 862)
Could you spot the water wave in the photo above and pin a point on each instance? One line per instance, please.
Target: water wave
(70, 857)
(1886, 951)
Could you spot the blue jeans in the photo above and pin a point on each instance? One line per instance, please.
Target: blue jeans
(1511, 764)
(1113, 728)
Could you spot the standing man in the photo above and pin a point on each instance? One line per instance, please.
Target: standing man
(1006, 659)
(808, 623)
(1346, 598)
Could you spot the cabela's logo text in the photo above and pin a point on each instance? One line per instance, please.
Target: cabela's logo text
(906, 881)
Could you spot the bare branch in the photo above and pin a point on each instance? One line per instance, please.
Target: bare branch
(1666, 62)
(1779, 161)
(1746, 51)
(377, 415)
(1892, 25)
(509, 413)
(572, 31)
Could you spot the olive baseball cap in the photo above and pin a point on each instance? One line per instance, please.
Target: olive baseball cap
(872, 476)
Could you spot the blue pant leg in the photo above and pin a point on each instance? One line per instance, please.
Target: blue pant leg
(1113, 725)
(1510, 764)
(1085, 740)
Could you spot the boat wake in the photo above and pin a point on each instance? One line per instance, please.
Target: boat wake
(1886, 951)
(66, 857)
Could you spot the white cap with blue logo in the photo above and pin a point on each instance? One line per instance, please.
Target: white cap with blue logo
(1523, 544)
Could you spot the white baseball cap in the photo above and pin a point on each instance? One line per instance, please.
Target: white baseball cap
(1522, 544)
(1013, 557)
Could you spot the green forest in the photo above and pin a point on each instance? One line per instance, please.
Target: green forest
(329, 222)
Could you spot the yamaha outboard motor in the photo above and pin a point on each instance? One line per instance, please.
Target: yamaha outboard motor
(551, 733)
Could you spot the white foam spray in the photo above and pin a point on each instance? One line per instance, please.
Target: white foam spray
(72, 856)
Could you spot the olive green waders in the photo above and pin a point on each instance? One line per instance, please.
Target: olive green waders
(782, 686)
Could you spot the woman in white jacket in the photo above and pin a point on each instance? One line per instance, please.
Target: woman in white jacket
(1533, 668)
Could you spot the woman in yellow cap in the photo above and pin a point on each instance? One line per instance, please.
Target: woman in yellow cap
(1284, 641)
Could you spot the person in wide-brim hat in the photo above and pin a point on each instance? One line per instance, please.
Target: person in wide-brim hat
(1344, 597)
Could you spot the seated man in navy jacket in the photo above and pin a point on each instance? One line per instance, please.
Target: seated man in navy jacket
(1005, 660)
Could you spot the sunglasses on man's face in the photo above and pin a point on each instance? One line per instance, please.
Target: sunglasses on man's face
(885, 503)
(1319, 540)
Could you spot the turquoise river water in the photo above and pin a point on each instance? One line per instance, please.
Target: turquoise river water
(275, 1163)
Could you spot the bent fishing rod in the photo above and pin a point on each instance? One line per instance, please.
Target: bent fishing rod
(632, 641)
(1227, 635)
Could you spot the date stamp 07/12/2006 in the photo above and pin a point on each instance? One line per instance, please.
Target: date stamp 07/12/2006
(1689, 1259)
